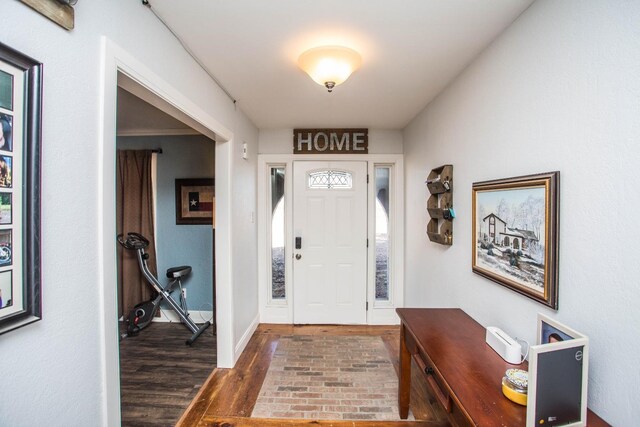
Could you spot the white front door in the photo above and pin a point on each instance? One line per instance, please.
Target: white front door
(330, 242)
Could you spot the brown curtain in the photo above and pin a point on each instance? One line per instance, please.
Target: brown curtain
(134, 204)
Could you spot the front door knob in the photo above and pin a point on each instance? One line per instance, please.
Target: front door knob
(298, 256)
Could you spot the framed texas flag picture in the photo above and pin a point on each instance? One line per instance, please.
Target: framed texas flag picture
(195, 201)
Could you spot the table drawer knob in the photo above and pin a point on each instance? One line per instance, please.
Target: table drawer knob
(442, 398)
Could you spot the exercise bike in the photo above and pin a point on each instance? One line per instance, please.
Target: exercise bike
(142, 314)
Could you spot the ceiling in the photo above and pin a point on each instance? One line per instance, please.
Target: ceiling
(143, 113)
(411, 49)
(138, 118)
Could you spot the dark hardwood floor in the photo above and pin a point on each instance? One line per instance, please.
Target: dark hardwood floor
(166, 383)
(160, 375)
(229, 395)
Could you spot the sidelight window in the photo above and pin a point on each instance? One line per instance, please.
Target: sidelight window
(382, 248)
(277, 175)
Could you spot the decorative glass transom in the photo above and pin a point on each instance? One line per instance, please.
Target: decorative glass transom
(330, 179)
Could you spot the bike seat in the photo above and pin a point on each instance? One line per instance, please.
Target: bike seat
(175, 272)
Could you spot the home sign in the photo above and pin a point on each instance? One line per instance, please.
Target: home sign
(330, 141)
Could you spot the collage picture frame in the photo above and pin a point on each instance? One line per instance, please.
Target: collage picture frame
(20, 156)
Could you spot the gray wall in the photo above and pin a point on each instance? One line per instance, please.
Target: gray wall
(182, 157)
(558, 90)
(60, 371)
(280, 141)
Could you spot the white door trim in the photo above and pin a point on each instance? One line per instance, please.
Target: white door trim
(281, 311)
(115, 60)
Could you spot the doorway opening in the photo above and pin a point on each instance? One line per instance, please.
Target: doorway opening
(330, 235)
(154, 149)
(117, 63)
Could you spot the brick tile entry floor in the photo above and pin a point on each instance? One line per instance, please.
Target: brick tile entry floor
(330, 378)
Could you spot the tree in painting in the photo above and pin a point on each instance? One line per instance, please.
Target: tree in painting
(511, 240)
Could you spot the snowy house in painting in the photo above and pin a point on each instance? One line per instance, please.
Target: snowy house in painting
(495, 230)
(517, 238)
(492, 228)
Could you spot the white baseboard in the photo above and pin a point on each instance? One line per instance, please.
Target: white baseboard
(198, 317)
(383, 316)
(246, 337)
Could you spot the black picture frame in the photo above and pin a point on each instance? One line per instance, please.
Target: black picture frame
(27, 136)
(510, 251)
(558, 372)
(186, 216)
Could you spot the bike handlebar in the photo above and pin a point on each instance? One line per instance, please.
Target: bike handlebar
(134, 241)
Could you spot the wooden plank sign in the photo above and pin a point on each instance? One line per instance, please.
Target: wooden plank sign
(61, 14)
(330, 141)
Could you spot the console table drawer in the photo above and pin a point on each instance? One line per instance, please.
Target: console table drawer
(434, 380)
(440, 390)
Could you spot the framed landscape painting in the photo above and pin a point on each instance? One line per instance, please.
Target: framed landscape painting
(515, 234)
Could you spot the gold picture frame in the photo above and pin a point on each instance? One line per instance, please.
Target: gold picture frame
(515, 234)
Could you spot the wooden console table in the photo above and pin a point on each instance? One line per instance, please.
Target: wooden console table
(463, 372)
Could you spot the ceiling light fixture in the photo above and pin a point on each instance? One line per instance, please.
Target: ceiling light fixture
(329, 65)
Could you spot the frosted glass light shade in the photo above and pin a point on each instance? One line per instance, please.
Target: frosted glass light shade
(329, 65)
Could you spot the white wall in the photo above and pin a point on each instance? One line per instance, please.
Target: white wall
(558, 90)
(51, 369)
(244, 237)
(280, 141)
